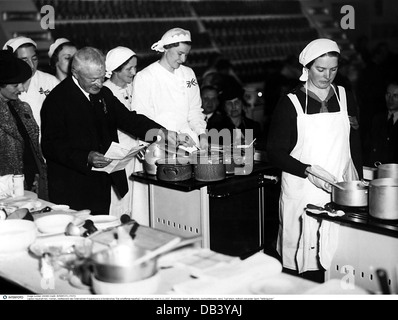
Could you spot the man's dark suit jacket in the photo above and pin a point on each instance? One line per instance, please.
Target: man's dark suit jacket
(217, 121)
(71, 128)
(383, 145)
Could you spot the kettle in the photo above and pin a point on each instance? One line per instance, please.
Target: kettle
(152, 154)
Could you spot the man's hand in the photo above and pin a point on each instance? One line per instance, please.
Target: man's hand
(98, 160)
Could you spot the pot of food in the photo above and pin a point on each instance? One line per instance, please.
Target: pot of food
(387, 170)
(351, 193)
(383, 198)
(209, 167)
(173, 169)
(118, 264)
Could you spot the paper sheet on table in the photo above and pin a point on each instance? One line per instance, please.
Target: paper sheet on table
(121, 157)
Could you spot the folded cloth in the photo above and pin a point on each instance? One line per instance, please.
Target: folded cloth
(328, 242)
(6, 186)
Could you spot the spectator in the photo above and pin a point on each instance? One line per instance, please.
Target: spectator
(211, 104)
(19, 133)
(383, 136)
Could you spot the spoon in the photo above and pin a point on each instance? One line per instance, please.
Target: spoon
(169, 246)
(244, 146)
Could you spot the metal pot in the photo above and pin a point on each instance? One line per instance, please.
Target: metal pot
(383, 198)
(116, 265)
(355, 194)
(171, 169)
(387, 170)
(209, 167)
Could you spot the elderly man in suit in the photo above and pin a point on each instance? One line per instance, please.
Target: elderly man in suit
(80, 118)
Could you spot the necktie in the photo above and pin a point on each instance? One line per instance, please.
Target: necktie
(390, 124)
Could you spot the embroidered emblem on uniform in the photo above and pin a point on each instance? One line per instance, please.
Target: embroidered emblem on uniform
(192, 83)
(45, 92)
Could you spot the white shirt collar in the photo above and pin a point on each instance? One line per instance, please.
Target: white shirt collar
(395, 113)
(84, 92)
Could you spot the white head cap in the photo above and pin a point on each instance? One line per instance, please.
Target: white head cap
(55, 45)
(15, 43)
(314, 50)
(116, 57)
(172, 36)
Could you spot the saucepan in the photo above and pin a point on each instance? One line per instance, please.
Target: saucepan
(351, 193)
(173, 169)
(387, 170)
(129, 263)
(383, 195)
(348, 193)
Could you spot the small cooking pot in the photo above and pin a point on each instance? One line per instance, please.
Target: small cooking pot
(383, 198)
(355, 194)
(209, 167)
(117, 264)
(387, 170)
(172, 169)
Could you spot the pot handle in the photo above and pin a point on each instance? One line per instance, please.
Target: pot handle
(169, 169)
(377, 164)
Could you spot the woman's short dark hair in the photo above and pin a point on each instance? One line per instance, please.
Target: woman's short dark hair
(327, 54)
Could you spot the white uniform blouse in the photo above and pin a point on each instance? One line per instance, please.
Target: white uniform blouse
(171, 99)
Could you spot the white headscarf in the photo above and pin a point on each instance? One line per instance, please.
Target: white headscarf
(55, 45)
(174, 35)
(314, 50)
(116, 57)
(15, 43)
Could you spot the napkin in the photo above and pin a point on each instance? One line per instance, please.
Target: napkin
(6, 186)
(232, 278)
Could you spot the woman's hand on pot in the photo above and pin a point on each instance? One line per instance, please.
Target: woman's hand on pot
(317, 171)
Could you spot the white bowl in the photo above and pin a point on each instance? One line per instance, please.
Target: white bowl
(56, 223)
(59, 244)
(16, 235)
(146, 286)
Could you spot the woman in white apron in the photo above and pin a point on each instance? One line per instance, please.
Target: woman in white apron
(311, 130)
(121, 66)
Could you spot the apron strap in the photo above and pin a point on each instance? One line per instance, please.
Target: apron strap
(343, 98)
(296, 103)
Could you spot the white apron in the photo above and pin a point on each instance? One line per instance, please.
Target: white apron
(323, 139)
(135, 202)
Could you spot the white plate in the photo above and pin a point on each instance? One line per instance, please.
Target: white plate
(55, 244)
(104, 221)
(60, 207)
(281, 284)
(146, 286)
(56, 223)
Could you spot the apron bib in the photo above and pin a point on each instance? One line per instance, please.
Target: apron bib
(323, 139)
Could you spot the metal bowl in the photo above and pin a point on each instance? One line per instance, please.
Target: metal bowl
(117, 265)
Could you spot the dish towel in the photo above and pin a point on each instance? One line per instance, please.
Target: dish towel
(328, 242)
